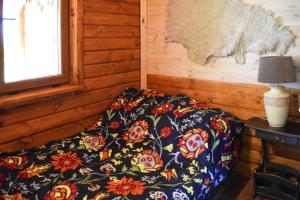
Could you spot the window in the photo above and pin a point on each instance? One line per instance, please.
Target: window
(34, 44)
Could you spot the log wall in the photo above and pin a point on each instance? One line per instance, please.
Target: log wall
(110, 38)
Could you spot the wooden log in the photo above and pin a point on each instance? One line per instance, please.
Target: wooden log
(95, 44)
(251, 142)
(247, 96)
(253, 156)
(92, 18)
(113, 7)
(111, 80)
(212, 97)
(132, 1)
(76, 37)
(48, 122)
(98, 57)
(96, 31)
(95, 70)
(282, 150)
(34, 111)
(42, 138)
(144, 43)
(245, 168)
(242, 113)
(36, 95)
(206, 85)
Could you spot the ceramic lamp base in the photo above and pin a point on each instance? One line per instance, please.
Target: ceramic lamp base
(277, 106)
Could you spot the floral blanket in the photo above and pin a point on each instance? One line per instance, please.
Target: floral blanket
(147, 145)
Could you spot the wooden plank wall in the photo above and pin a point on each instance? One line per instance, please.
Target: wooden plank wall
(111, 62)
(221, 83)
(171, 58)
(242, 100)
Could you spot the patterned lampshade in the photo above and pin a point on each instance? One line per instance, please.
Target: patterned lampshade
(276, 69)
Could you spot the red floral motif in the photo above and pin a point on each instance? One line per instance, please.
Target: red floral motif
(114, 124)
(198, 105)
(147, 161)
(14, 162)
(105, 154)
(65, 161)
(163, 108)
(136, 132)
(126, 186)
(152, 93)
(165, 132)
(62, 191)
(92, 142)
(119, 103)
(108, 168)
(220, 124)
(169, 174)
(16, 196)
(179, 112)
(2, 179)
(93, 187)
(193, 143)
(133, 104)
(33, 170)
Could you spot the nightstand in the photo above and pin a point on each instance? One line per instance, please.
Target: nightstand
(275, 181)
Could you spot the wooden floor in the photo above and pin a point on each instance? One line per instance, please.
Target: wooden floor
(238, 187)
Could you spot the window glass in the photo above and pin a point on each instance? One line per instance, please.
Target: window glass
(31, 39)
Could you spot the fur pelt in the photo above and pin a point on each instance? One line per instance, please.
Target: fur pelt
(225, 27)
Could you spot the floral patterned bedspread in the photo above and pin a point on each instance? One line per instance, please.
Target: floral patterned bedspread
(146, 146)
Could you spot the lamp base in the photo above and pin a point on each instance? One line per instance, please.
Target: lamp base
(277, 106)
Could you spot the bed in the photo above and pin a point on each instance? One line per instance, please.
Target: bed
(147, 145)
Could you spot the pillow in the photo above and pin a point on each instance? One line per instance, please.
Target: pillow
(176, 126)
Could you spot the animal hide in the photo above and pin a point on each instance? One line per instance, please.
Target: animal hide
(225, 27)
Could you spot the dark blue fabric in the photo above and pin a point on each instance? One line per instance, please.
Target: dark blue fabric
(148, 145)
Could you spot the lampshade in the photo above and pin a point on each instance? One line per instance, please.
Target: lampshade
(276, 69)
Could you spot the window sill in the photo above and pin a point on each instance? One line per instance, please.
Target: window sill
(33, 96)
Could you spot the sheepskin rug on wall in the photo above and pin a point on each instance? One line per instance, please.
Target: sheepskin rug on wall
(225, 27)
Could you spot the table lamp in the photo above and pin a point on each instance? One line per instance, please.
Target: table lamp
(275, 70)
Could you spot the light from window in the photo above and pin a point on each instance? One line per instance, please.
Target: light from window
(31, 39)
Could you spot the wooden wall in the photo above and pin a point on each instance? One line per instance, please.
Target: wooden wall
(171, 58)
(221, 83)
(111, 62)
